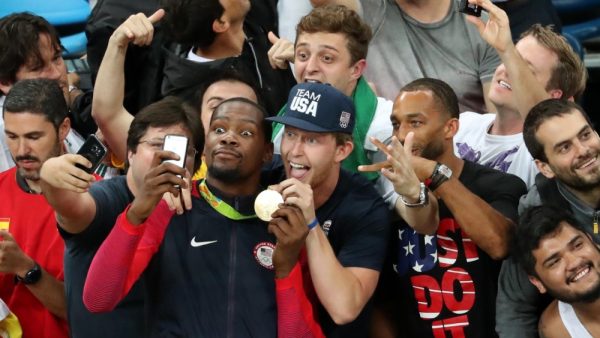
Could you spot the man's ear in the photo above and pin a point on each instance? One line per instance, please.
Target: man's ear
(544, 168)
(358, 68)
(220, 25)
(556, 94)
(268, 155)
(5, 87)
(451, 128)
(64, 129)
(537, 283)
(343, 151)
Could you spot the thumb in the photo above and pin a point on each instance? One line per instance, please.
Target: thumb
(6, 236)
(272, 37)
(157, 16)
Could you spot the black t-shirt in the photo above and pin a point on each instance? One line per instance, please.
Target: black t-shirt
(445, 285)
(127, 320)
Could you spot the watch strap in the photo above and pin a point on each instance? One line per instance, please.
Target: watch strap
(32, 276)
(438, 176)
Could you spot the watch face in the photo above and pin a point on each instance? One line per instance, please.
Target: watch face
(444, 170)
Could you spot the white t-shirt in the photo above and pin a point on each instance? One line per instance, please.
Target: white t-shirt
(506, 153)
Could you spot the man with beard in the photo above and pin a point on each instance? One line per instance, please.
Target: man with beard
(214, 270)
(31, 251)
(561, 259)
(560, 137)
(31, 49)
(446, 279)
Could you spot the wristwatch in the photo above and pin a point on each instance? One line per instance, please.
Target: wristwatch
(441, 173)
(32, 276)
(423, 198)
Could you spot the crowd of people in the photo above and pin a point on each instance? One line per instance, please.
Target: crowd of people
(438, 177)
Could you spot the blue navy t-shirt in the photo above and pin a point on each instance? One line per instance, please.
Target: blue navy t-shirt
(127, 320)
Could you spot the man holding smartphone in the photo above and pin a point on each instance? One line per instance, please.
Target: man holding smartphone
(31, 251)
(86, 212)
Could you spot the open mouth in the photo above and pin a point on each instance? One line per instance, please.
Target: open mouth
(504, 84)
(579, 275)
(312, 81)
(587, 163)
(298, 170)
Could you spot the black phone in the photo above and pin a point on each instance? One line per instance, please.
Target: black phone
(94, 151)
(179, 145)
(469, 9)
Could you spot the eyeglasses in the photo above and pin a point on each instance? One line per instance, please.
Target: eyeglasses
(158, 144)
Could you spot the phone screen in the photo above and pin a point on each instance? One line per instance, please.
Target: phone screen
(177, 144)
(94, 151)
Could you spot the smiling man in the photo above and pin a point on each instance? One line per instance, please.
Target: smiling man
(349, 222)
(331, 47)
(561, 139)
(561, 259)
(541, 65)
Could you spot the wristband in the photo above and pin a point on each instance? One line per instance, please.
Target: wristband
(313, 224)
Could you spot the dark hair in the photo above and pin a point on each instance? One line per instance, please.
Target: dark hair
(542, 112)
(170, 111)
(535, 224)
(19, 43)
(228, 75)
(569, 74)
(266, 125)
(443, 94)
(38, 96)
(339, 19)
(190, 22)
(342, 138)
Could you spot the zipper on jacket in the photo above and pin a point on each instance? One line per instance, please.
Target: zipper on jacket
(595, 222)
(231, 281)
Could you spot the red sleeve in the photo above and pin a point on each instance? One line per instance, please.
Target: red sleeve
(122, 258)
(296, 316)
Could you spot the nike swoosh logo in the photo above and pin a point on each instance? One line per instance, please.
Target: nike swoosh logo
(198, 244)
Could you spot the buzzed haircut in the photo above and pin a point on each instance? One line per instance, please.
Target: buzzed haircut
(536, 224)
(443, 94)
(539, 114)
(37, 96)
(339, 19)
(225, 75)
(19, 43)
(190, 22)
(170, 111)
(570, 74)
(265, 125)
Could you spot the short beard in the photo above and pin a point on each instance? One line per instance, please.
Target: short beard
(588, 297)
(225, 175)
(433, 151)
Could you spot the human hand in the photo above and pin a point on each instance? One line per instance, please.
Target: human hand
(281, 52)
(12, 259)
(137, 29)
(60, 172)
(161, 178)
(297, 194)
(184, 200)
(496, 31)
(289, 227)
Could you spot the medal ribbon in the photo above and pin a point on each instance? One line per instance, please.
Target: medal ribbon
(219, 205)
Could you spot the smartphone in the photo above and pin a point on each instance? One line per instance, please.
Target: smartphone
(469, 9)
(94, 151)
(177, 144)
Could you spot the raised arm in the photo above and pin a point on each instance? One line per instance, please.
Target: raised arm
(400, 173)
(527, 90)
(65, 188)
(107, 106)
